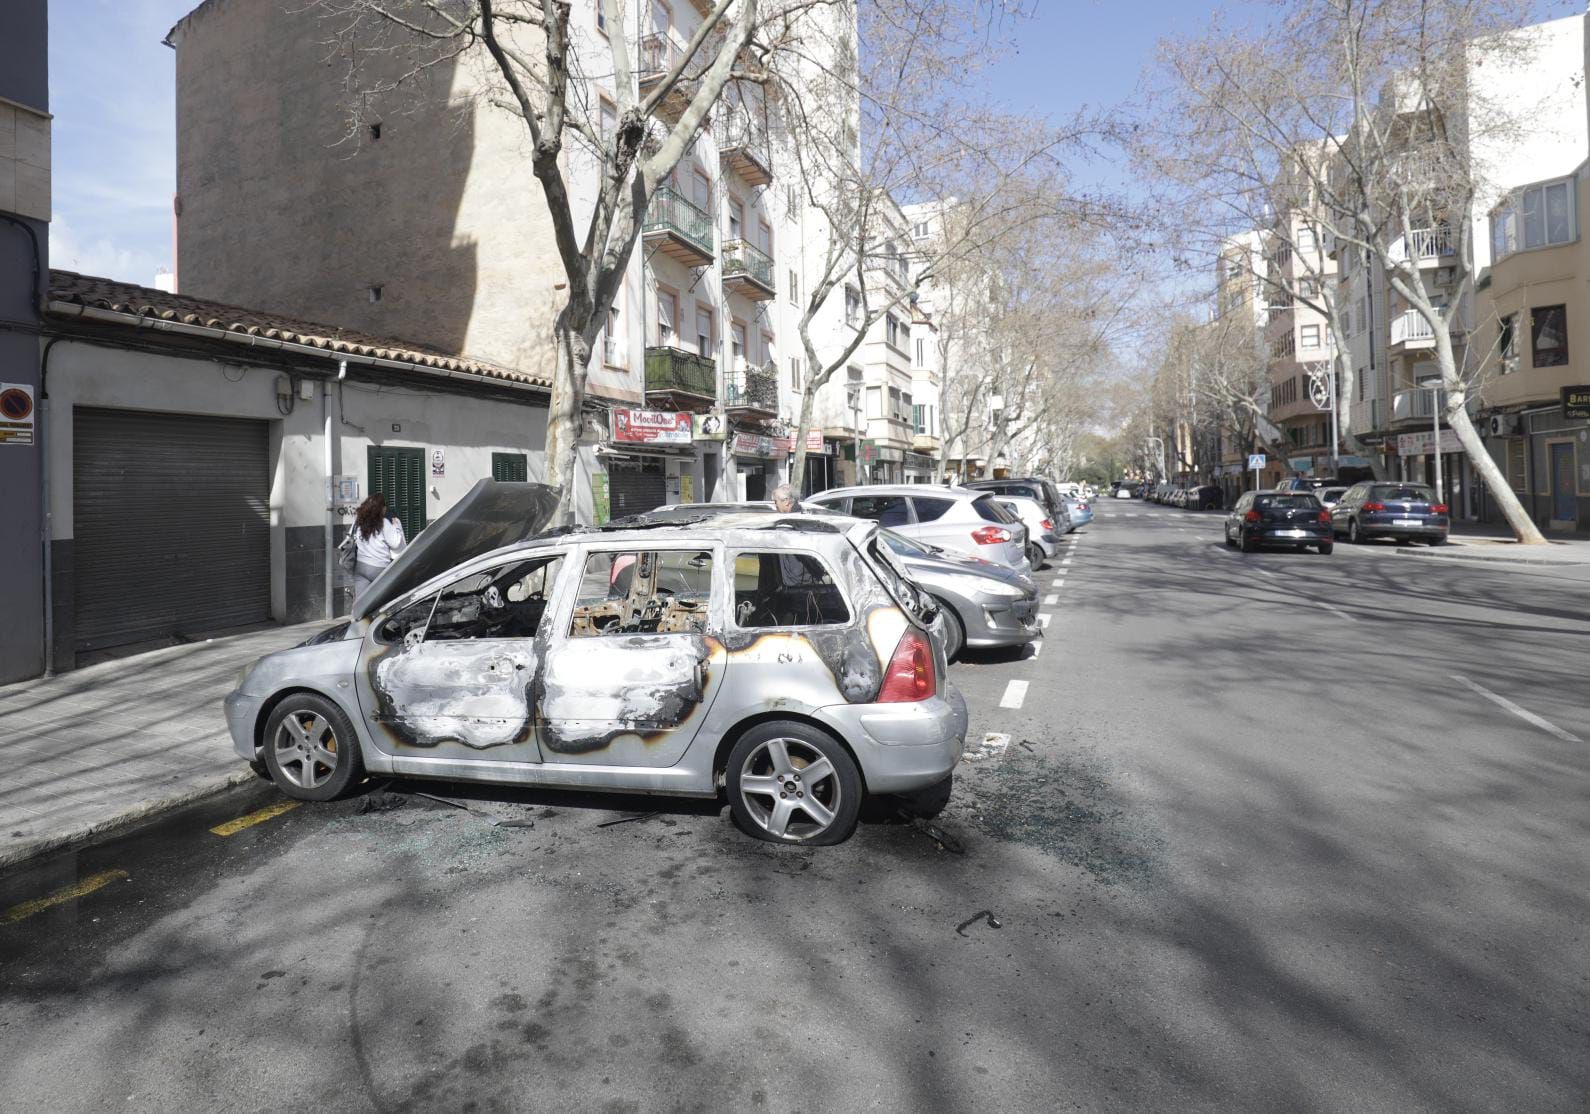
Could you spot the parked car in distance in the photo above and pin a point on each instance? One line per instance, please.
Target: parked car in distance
(983, 604)
(785, 658)
(1408, 512)
(1027, 487)
(1330, 496)
(1043, 533)
(1290, 518)
(953, 517)
(1080, 512)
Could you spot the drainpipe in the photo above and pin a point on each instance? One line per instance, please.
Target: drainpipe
(45, 445)
(331, 506)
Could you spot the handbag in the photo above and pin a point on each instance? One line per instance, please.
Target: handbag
(347, 551)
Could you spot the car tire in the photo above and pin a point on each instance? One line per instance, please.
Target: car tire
(1249, 546)
(1326, 548)
(770, 757)
(311, 750)
(1035, 557)
(954, 631)
(1353, 534)
(926, 804)
(1435, 541)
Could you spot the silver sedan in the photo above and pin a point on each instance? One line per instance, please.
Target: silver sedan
(983, 604)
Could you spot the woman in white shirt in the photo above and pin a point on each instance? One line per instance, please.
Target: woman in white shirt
(377, 539)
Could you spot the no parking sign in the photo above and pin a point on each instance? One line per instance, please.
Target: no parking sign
(16, 414)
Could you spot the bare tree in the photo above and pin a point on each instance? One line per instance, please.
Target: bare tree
(1365, 116)
(538, 67)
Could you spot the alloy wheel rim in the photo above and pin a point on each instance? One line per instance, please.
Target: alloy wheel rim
(306, 749)
(790, 789)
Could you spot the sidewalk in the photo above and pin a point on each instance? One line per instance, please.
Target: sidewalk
(101, 747)
(1476, 542)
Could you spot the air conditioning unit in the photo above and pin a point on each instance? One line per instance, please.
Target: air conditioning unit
(1504, 425)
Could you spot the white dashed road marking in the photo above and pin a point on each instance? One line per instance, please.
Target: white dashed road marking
(1522, 713)
(1054, 597)
(1037, 648)
(1043, 620)
(1015, 693)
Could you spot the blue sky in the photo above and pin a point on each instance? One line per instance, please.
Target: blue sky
(115, 147)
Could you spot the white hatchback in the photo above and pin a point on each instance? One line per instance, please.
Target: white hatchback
(955, 518)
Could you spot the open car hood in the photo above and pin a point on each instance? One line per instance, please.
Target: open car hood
(493, 514)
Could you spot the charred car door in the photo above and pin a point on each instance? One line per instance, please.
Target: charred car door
(634, 660)
(452, 675)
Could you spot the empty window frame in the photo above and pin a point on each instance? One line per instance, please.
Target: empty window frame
(653, 592)
(1548, 334)
(786, 590)
(508, 601)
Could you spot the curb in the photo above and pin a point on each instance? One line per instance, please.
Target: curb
(1488, 559)
(129, 817)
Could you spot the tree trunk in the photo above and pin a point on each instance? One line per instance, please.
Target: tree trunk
(797, 468)
(1524, 530)
(563, 413)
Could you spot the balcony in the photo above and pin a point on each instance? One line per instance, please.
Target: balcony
(747, 271)
(657, 57)
(743, 149)
(1369, 416)
(678, 229)
(1430, 246)
(752, 391)
(683, 378)
(891, 264)
(1417, 405)
(1411, 332)
(924, 443)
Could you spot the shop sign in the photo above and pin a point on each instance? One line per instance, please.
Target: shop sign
(16, 414)
(1576, 402)
(1301, 464)
(651, 427)
(814, 442)
(753, 444)
(601, 500)
(1421, 444)
(709, 427)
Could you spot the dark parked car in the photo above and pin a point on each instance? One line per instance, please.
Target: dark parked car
(1408, 512)
(1031, 487)
(1293, 518)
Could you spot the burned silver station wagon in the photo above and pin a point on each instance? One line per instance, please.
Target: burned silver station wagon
(784, 660)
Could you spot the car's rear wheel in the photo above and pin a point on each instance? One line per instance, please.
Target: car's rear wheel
(310, 748)
(789, 782)
(1326, 548)
(1436, 541)
(1249, 545)
(954, 631)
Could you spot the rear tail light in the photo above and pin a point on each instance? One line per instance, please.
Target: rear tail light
(1048, 524)
(991, 535)
(1438, 508)
(1251, 516)
(1374, 506)
(1325, 517)
(910, 676)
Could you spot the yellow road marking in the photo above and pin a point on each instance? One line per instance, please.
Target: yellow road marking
(81, 888)
(269, 812)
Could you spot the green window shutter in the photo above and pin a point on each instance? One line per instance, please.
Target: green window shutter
(510, 467)
(399, 475)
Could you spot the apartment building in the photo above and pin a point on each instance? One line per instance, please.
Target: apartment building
(427, 224)
(1391, 346)
(1299, 347)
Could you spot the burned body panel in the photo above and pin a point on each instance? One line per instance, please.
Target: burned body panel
(627, 700)
(474, 693)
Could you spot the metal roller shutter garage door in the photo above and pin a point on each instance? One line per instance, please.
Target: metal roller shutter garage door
(635, 485)
(171, 525)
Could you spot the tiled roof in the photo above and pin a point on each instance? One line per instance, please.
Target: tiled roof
(144, 301)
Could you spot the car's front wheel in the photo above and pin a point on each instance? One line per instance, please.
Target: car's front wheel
(954, 631)
(1354, 535)
(311, 751)
(789, 782)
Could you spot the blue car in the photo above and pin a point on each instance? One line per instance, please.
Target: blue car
(1081, 511)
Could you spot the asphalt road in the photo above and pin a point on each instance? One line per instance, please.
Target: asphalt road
(1261, 837)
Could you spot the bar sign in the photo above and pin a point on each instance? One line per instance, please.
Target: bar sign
(1576, 402)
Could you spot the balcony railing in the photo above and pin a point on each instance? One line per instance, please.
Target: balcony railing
(678, 228)
(743, 146)
(891, 263)
(1407, 406)
(749, 387)
(1411, 330)
(748, 270)
(1428, 244)
(1369, 415)
(681, 372)
(658, 54)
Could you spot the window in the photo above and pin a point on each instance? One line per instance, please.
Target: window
(992, 510)
(785, 590)
(601, 17)
(375, 293)
(505, 602)
(1517, 464)
(706, 335)
(764, 232)
(792, 199)
(510, 467)
(891, 330)
(794, 288)
(1507, 343)
(1305, 239)
(666, 592)
(874, 402)
(1534, 217)
(886, 510)
(894, 404)
(1548, 331)
(921, 352)
(1310, 336)
(922, 418)
(701, 190)
(736, 218)
(852, 306)
(795, 373)
(607, 118)
(667, 315)
(919, 230)
(375, 131)
(610, 338)
(737, 354)
(929, 509)
(1347, 320)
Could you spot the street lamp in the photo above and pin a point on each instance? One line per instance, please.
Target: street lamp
(853, 397)
(1432, 383)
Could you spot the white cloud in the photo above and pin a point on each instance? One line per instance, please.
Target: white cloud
(98, 255)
